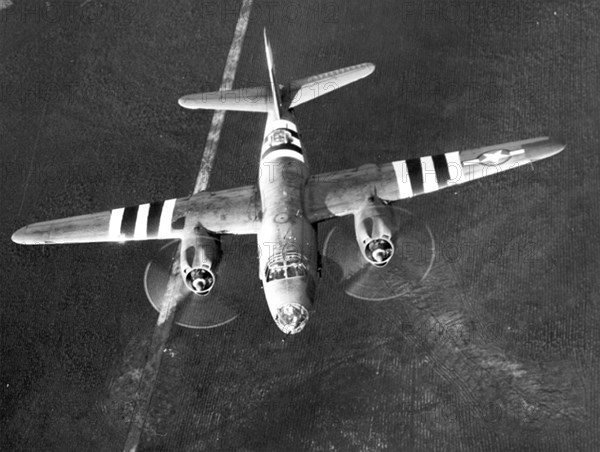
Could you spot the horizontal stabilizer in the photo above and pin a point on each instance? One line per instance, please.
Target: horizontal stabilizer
(306, 89)
(259, 98)
(256, 99)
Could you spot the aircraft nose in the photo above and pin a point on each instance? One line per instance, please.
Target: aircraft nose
(544, 149)
(291, 318)
(289, 302)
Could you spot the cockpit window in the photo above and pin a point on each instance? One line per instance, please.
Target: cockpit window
(275, 272)
(293, 265)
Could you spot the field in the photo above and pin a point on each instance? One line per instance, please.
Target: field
(497, 349)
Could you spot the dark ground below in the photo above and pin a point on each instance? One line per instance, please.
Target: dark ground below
(496, 350)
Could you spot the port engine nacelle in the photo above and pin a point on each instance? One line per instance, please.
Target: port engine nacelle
(200, 257)
(373, 228)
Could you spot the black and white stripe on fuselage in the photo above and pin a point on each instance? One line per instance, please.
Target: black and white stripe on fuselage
(281, 139)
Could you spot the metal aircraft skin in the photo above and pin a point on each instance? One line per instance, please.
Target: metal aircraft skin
(287, 203)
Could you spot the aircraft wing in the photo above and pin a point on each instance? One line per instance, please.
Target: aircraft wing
(233, 211)
(339, 193)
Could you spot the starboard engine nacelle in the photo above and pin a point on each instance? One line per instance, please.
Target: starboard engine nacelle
(373, 228)
(200, 255)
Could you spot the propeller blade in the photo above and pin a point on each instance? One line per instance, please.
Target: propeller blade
(413, 257)
(194, 311)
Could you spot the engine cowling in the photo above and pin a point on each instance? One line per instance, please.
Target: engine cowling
(373, 228)
(200, 256)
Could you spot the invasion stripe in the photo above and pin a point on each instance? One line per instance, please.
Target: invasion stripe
(404, 188)
(128, 223)
(455, 168)
(279, 147)
(429, 176)
(285, 153)
(141, 222)
(164, 226)
(154, 218)
(292, 133)
(415, 174)
(293, 143)
(441, 169)
(114, 225)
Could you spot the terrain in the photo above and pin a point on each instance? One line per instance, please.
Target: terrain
(497, 349)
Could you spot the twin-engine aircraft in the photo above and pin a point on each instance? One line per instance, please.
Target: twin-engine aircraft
(283, 209)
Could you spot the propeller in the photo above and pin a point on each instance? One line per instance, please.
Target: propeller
(194, 311)
(414, 253)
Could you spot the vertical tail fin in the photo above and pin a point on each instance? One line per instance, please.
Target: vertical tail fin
(277, 106)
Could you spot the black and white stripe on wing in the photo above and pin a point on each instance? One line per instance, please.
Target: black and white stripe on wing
(128, 222)
(154, 218)
(440, 165)
(427, 174)
(415, 175)
(146, 221)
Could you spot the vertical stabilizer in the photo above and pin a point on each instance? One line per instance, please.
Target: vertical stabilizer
(274, 86)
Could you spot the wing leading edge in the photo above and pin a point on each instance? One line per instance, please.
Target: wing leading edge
(234, 211)
(338, 193)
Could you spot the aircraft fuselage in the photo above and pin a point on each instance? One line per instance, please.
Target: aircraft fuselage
(287, 242)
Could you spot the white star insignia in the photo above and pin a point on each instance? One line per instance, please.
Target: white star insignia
(494, 157)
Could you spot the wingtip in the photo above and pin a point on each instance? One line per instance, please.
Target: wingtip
(189, 102)
(556, 145)
(27, 236)
(20, 236)
(544, 147)
(560, 143)
(370, 67)
(182, 101)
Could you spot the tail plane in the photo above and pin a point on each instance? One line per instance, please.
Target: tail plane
(277, 98)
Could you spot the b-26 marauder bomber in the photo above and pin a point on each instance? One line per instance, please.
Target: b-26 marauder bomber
(282, 210)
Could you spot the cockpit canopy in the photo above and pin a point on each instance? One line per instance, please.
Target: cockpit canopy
(290, 266)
